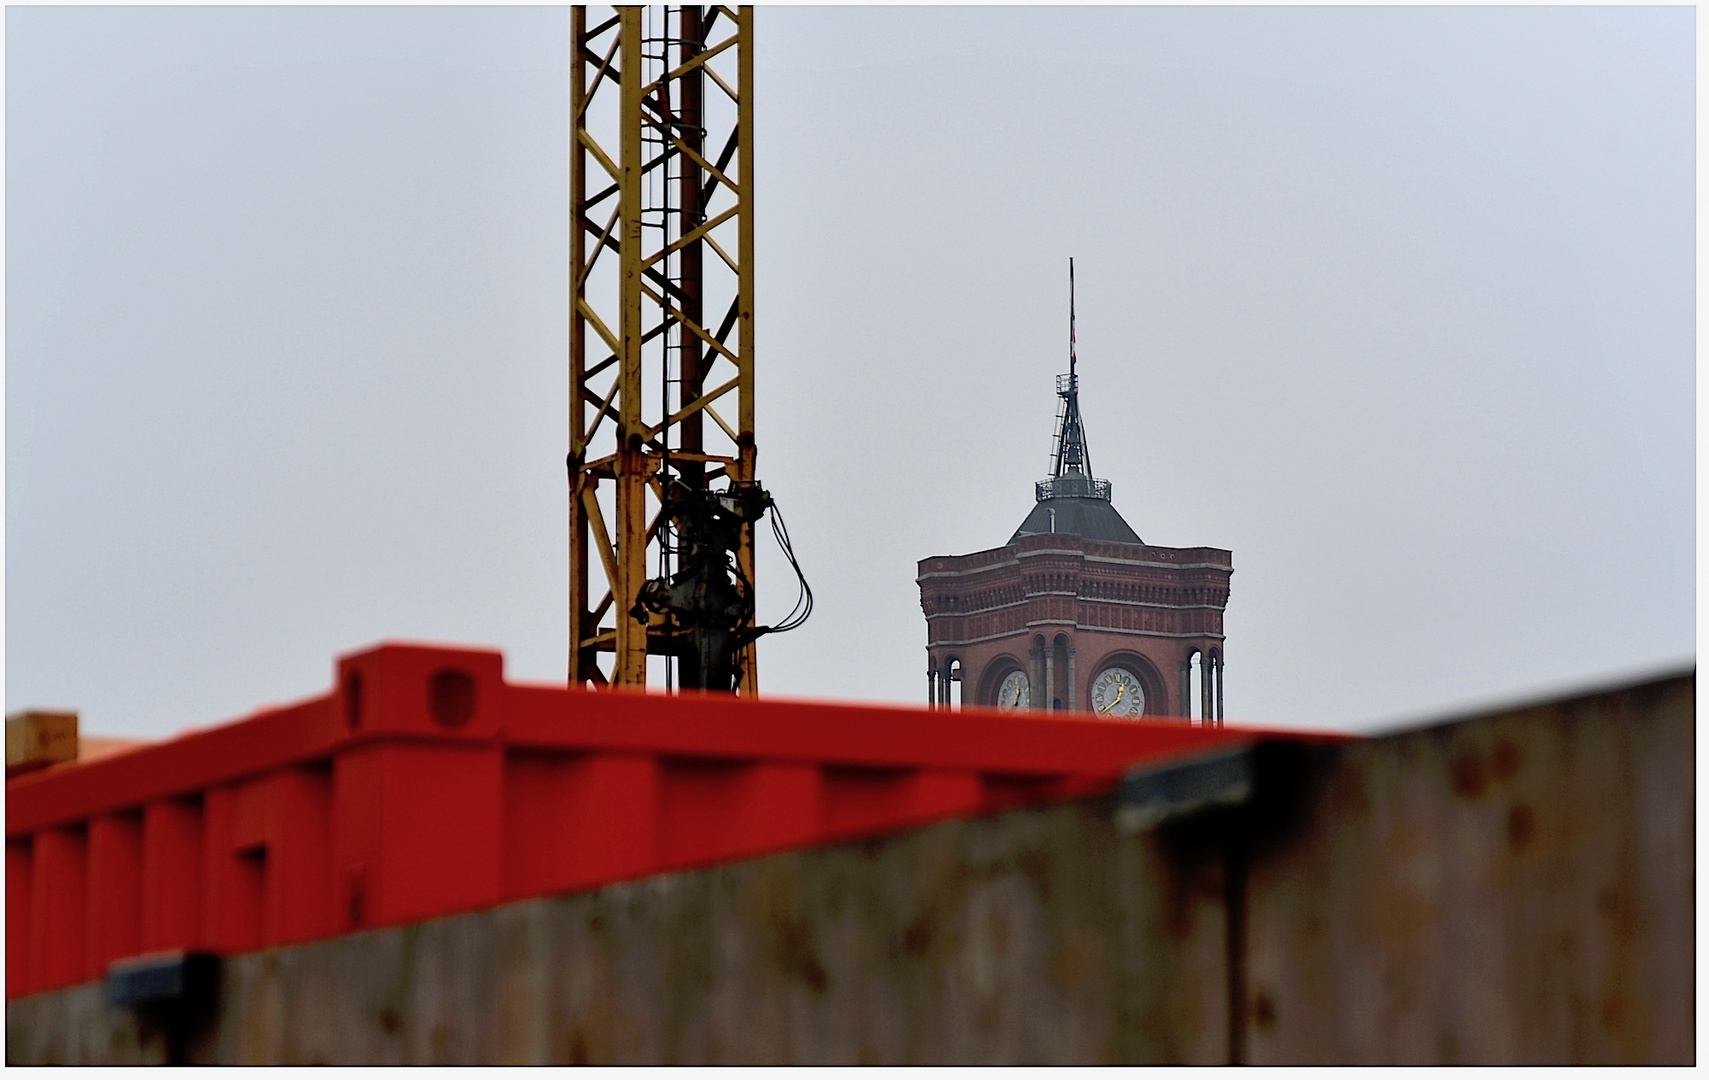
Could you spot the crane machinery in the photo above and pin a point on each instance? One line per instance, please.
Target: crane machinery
(663, 493)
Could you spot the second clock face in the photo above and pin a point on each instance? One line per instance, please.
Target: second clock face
(1012, 694)
(1116, 692)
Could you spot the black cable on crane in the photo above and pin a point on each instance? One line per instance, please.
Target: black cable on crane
(803, 606)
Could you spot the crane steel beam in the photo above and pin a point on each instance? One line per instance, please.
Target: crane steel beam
(661, 168)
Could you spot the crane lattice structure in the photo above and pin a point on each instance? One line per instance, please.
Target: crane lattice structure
(662, 313)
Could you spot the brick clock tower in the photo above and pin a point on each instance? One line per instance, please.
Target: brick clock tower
(1076, 612)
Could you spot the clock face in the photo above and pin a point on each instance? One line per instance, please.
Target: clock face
(1116, 692)
(1013, 694)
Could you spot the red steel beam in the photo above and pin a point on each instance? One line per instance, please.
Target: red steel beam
(424, 785)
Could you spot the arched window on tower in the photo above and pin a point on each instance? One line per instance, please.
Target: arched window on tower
(1193, 685)
(1211, 702)
(957, 685)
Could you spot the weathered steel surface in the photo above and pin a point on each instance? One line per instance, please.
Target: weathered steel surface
(1034, 936)
(1512, 888)
(76, 1027)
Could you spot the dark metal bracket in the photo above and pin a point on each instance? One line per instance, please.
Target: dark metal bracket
(174, 992)
(1149, 797)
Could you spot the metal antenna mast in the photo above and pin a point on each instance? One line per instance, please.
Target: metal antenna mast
(1071, 357)
(1069, 454)
(648, 368)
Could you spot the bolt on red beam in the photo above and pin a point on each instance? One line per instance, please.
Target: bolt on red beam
(423, 785)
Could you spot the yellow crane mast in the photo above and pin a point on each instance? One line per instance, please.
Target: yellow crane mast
(662, 346)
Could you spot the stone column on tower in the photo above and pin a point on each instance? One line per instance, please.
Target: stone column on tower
(1068, 695)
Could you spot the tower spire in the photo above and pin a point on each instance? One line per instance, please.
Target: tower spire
(1070, 460)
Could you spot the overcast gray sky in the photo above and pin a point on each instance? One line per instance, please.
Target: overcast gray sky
(1396, 304)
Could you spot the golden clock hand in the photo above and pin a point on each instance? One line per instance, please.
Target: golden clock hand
(1120, 690)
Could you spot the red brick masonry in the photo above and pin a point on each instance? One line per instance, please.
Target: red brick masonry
(1137, 606)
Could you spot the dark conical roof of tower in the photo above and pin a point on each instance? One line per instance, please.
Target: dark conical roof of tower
(1072, 501)
(1093, 519)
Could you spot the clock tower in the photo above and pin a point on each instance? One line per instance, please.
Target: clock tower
(1077, 613)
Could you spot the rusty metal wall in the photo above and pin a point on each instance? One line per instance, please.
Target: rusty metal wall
(1508, 888)
(1033, 936)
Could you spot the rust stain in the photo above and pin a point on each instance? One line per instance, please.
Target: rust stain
(1621, 914)
(774, 897)
(441, 1044)
(1505, 762)
(797, 957)
(917, 938)
(1614, 1011)
(1521, 826)
(1467, 771)
(1347, 794)
(1074, 962)
(1264, 1010)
